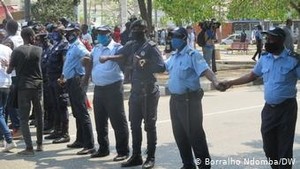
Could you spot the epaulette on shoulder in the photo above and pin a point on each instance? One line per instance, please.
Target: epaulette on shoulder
(191, 52)
(152, 43)
(129, 42)
(264, 53)
(294, 55)
(117, 45)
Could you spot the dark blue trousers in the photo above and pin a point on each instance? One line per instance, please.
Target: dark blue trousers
(187, 117)
(278, 131)
(77, 96)
(108, 103)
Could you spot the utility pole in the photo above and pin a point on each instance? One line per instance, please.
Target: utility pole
(27, 9)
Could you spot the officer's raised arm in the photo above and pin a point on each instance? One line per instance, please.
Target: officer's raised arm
(103, 59)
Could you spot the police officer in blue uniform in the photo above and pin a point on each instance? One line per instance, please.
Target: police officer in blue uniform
(185, 66)
(73, 75)
(57, 93)
(108, 96)
(146, 60)
(280, 71)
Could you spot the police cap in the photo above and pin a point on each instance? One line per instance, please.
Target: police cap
(72, 26)
(180, 33)
(277, 32)
(104, 28)
(139, 23)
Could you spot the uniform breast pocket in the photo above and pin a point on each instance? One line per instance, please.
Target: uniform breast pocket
(283, 74)
(266, 74)
(184, 71)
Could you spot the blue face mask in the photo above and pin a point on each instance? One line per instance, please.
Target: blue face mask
(177, 43)
(103, 39)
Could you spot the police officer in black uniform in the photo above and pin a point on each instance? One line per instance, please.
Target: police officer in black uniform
(43, 41)
(57, 93)
(146, 60)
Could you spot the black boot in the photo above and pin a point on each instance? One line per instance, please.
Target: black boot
(63, 139)
(134, 160)
(149, 163)
(53, 135)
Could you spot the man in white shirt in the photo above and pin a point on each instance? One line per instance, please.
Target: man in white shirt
(191, 37)
(85, 34)
(5, 82)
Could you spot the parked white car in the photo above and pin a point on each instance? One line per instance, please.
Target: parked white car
(230, 39)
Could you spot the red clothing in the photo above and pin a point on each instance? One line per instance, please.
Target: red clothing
(117, 35)
(87, 45)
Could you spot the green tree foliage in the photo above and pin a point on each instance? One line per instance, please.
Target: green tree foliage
(190, 10)
(46, 10)
(262, 9)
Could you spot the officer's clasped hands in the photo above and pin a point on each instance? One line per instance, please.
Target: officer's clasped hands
(103, 59)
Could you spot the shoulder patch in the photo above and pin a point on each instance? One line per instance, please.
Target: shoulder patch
(152, 43)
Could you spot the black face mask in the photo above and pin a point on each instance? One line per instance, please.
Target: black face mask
(71, 37)
(139, 35)
(272, 47)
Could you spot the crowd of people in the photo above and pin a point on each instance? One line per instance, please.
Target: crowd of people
(49, 66)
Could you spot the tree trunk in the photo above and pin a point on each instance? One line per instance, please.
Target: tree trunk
(146, 11)
(149, 12)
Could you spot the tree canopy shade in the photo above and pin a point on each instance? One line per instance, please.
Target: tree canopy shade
(197, 10)
(262, 9)
(45, 10)
(188, 10)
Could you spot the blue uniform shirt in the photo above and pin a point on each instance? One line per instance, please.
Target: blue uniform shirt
(185, 68)
(72, 65)
(280, 76)
(108, 72)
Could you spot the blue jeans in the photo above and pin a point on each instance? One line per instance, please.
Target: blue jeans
(14, 117)
(12, 112)
(4, 130)
(207, 54)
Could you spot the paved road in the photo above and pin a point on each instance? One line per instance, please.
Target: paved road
(232, 125)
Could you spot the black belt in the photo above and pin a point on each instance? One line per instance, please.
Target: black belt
(112, 85)
(282, 103)
(188, 94)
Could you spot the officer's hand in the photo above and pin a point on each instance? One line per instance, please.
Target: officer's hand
(61, 82)
(84, 82)
(226, 84)
(220, 86)
(103, 59)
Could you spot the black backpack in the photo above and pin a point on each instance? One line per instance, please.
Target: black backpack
(201, 38)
